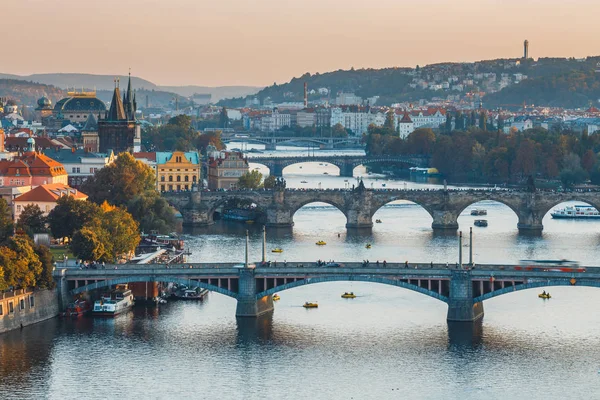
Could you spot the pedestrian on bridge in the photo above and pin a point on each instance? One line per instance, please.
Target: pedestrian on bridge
(384, 263)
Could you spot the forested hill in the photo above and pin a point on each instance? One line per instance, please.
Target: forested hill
(576, 87)
(566, 82)
(29, 92)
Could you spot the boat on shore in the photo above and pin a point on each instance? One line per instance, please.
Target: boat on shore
(481, 222)
(190, 294)
(77, 309)
(576, 212)
(114, 303)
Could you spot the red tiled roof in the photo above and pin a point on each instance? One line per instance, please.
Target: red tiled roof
(50, 193)
(150, 156)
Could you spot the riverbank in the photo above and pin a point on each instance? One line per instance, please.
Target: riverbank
(24, 307)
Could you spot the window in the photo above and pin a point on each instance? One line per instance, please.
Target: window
(162, 178)
(11, 307)
(170, 187)
(73, 170)
(18, 208)
(31, 301)
(186, 187)
(178, 187)
(1, 309)
(186, 178)
(162, 188)
(178, 178)
(78, 170)
(170, 178)
(22, 304)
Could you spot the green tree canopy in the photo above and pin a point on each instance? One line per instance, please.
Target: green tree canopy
(32, 220)
(250, 180)
(89, 244)
(70, 215)
(6, 221)
(152, 212)
(270, 182)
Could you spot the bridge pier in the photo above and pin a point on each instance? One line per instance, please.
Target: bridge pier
(197, 217)
(277, 169)
(271, 146)
(62, 289)
(347, 170)
(247, 303)
(529, 224)
(461, 307)
(444, 220)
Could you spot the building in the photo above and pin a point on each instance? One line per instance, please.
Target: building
(80, 164)
(44, 109)
(76, 107)
(348, 99)
(306, 118)
(89, 135)
(118, 130)
(225, 168)
(31, 169)
(177, 170)
(405, 126)
(45, 197)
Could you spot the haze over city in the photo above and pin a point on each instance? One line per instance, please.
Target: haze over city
(257, 43)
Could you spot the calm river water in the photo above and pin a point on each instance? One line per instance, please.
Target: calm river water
(388, 343)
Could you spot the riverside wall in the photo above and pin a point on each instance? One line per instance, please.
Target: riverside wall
(28, 307)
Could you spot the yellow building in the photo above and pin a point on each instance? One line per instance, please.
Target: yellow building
(177, 170)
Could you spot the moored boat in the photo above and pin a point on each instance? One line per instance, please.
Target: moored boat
(576, 212)
(480, 222)
(190, 294)
(77, 309)
(478, 211)
(114, 303)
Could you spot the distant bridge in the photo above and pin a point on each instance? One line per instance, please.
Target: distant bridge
(271, 142)
(346, 164)
(359, 205)
(464, 290)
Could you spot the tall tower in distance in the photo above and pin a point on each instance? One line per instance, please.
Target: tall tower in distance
(526, 49)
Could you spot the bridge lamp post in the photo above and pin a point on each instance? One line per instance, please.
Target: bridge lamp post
(247, 245)
(264, 247)
(460, 250)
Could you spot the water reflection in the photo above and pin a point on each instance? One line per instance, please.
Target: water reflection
(252, 330)
(463, 335)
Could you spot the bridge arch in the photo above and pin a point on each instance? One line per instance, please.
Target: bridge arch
(288, 164)
(488, 197)
(379, 205)
(537, 284)
(550, 205)
(358, 278)
(297, 206)
(150, 278)
(249, 197)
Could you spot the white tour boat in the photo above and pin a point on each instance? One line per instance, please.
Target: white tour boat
(578, 211)
(117, 302)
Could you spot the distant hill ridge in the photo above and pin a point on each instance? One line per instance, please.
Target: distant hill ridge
(105, 82)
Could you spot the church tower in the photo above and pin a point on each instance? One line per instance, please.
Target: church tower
(117, 129)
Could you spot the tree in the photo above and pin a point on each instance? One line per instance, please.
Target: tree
(570, 177)
(588, 160)
(120, 181)
(45, 279)
(390, 120)
(338, 130)
(152, 212)
(6, 222)
(70, 215)
(250, 180)
(32, 220)
(22, 271)
(89, 244)
(122, 230)
(483, 121)
(421, 141)
(209, 138)
(448, 124)
(270, 182)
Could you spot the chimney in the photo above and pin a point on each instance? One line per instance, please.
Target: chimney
(305, 95)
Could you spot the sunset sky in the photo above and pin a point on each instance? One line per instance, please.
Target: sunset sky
(258, 42)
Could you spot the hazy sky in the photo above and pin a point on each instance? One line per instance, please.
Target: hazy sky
(258, 42)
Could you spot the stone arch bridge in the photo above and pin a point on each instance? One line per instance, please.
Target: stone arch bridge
(359, 205)
(346, 164)
(462, 289)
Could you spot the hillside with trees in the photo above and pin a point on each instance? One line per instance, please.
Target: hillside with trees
(565, 82)
(28, 93)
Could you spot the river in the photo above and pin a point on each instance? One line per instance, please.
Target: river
(388, 343)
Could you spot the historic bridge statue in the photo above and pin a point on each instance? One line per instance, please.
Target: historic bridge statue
(360, 204)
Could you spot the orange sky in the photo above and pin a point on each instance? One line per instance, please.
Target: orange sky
(258, 42)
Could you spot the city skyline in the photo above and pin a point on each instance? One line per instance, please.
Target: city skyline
(239, 43)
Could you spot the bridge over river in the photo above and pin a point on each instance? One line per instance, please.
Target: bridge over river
(464, 289)
(271, 142)
(346, 164)
(360, 204)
